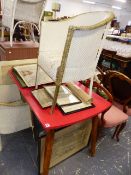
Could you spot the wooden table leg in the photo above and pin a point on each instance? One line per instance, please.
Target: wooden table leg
(48, 151)
(94, 135)
(0, 143)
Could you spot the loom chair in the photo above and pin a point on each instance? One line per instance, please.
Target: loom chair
(24, 11)
(12, 118)
(113, 117)
(65, 51)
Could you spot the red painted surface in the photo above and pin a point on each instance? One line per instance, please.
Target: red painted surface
(57, 119)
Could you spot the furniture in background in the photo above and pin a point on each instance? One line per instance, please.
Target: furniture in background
(128, 29)
(115, 27)
(109, 60)
(119, 85)
(114, 117)
(19, 50)
(116, 55)
(106, 60)
(64, 48)
(57, 120)
(25, 11)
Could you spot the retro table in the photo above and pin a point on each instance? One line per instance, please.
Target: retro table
(51, 122)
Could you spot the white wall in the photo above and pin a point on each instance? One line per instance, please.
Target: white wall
(124, 18)
(73, 7)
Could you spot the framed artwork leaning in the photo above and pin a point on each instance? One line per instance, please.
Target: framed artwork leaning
(65, 96)
(42, 97)
(28, 74)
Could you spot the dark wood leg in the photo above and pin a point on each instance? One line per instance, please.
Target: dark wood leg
(48, 151)
(117, 127)
(120, 129)
(123, 66)
(39, 154)
(0, 144)
(34, 129)
(95, 121)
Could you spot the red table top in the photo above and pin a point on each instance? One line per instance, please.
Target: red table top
(57, 119)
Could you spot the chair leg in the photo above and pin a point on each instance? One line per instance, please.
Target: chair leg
(0, 144)
(36, 79)
(39, 154)
(32, 33)
(2, 33)
(120, 129)
(117, 127)
(95, 121)
(11, 39)
(55, 98)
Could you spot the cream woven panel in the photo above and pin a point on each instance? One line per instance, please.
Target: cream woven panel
(53, 34)
(29, 12)
(52, 42)
(13, 119)
(53, 37)
(7, 11)
(50, 63)
(85, 44)
(81, 61)
(9, 93)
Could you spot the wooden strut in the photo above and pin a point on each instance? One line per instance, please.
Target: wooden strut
(48, 151)
(94, 135)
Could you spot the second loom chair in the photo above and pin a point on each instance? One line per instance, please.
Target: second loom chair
(24, 11)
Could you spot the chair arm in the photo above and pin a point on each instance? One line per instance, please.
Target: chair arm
(100, 70)
(110, 98)
(13, 104)
(100, 87)
(101, 74)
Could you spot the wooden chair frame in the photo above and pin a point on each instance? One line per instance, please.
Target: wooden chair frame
(119, 127)
(105, 79)
(122, 77)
